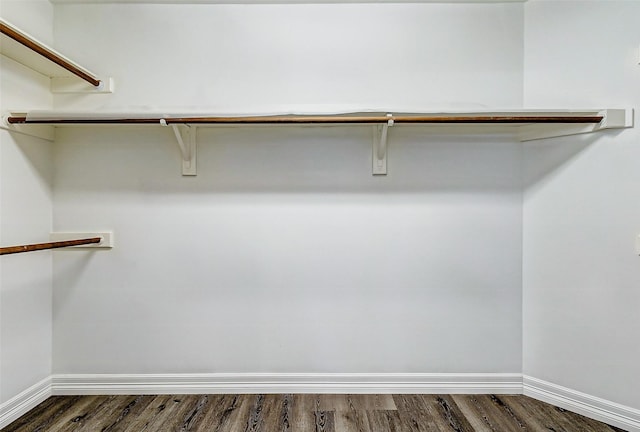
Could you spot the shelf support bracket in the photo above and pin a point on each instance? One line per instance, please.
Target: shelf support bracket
(72, 85)
(186, 138)
(379, 147)
(612, 119)
(46, 132)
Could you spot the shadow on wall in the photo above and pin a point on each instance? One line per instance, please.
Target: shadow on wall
(286, 160)
(71, 271)
(36, 152)
(545, 159)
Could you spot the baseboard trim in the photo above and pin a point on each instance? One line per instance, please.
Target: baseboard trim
(286, 383)
(508, 383)
(599, 409)
(25, 401)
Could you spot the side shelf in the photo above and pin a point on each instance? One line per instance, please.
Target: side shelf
(66, 75)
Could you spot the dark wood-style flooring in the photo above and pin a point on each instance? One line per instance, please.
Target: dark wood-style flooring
(286, 412)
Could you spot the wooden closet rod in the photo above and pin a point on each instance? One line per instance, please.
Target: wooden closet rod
(47, 53)
(52, 245)
(318, 119)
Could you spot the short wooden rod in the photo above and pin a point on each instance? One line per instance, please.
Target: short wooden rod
(48, 54)
(320, 119)
(52, 245)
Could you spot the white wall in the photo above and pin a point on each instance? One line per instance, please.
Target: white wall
(33, 16)
(284, 254)
(261, 57)
(25, 217)
(581, 207)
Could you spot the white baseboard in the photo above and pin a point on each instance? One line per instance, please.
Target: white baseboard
(25, 401)
(510, 383)
(286, 383)
(599, 409)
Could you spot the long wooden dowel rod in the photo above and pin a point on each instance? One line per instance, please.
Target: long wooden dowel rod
(320, 119)
(52, 245)
(48, 54)
(385, 119)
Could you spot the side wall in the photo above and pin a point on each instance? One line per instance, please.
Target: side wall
(284, 254)
(581, 207)
(25, 217)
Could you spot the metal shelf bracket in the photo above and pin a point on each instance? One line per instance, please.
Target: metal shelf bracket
(379, 147)
(186, 138)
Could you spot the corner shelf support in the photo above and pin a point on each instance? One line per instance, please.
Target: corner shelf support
(72, 85)
(611, 119)
(106, 239)
(42, 131)
(379, 147)
(186, 138)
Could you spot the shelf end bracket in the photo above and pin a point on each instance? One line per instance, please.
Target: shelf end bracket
(46, 132)
(616, 119)
(71, 85)
(611, 119)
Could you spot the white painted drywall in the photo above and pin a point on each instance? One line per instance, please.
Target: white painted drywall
(32, 16)
(238, 58)
(284, 254)
(581, 207)
(25, 217)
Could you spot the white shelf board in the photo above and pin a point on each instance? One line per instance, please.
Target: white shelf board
(525, 125)
(524, 131)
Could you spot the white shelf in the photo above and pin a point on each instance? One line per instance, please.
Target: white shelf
(525, 125)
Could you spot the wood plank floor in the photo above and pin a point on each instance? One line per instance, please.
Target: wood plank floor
(301, 413)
